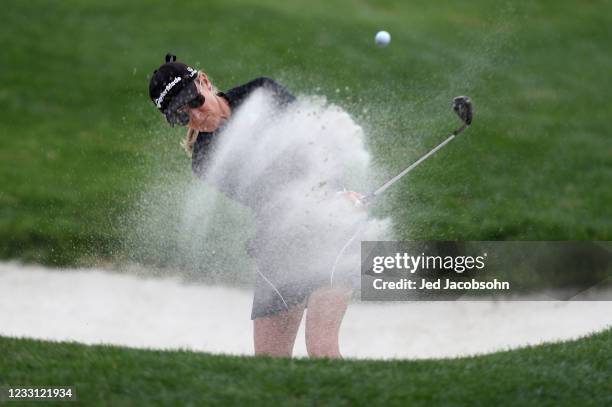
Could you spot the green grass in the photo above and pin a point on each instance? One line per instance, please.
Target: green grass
(80, 142)
(574, 373)
(81, 145)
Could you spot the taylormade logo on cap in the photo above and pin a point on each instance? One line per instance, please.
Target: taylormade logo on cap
(160, 99)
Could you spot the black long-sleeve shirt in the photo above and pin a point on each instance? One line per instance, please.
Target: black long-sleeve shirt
(205, 142)
(235, 96)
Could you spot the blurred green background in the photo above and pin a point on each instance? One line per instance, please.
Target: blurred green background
(81, 144)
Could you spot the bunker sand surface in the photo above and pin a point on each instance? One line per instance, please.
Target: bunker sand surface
(95, 306)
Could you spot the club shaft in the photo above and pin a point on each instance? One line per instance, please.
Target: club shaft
(412, 166)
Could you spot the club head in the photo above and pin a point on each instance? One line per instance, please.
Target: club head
(462, 105)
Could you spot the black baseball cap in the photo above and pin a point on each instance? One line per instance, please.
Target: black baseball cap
(172, 86)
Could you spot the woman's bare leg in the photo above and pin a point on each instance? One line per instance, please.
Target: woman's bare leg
(275, 335)
(326, 308)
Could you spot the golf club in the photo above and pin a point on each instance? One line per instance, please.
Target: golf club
(462, 106)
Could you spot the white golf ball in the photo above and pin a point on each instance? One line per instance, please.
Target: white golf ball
(382, 39)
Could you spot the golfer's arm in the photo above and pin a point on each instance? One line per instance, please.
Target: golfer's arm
(281, 94)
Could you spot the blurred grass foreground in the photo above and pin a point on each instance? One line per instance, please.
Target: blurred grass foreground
(573, 373)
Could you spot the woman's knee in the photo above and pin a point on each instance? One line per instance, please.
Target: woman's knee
(329, 302)
(326, 309)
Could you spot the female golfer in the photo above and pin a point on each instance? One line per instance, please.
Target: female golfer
(187, 97)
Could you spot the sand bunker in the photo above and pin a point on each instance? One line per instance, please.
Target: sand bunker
(95, 306)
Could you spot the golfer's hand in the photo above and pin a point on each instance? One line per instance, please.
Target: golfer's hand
(357, 199)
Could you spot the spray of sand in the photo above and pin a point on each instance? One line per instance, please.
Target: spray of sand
(271, 185)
